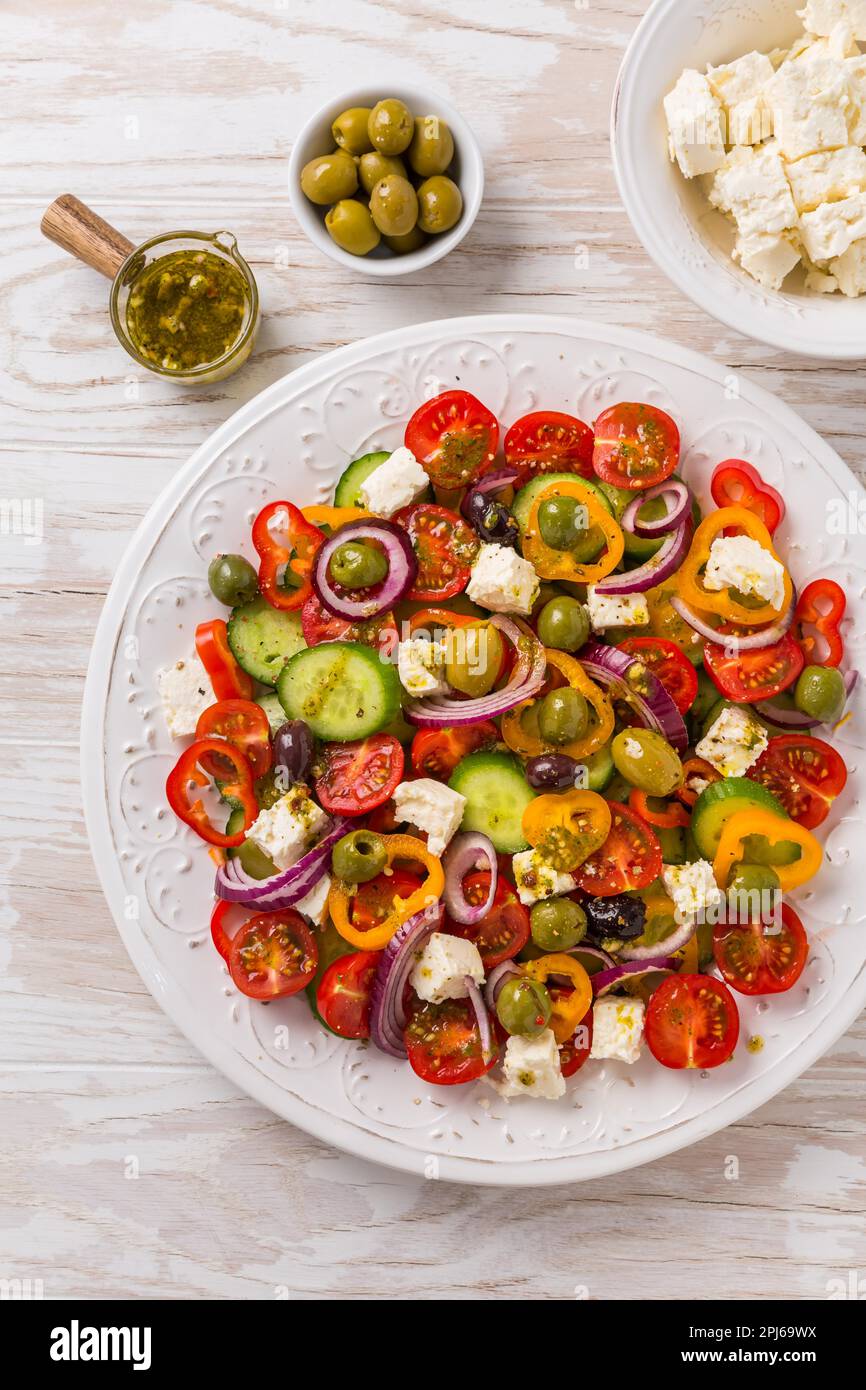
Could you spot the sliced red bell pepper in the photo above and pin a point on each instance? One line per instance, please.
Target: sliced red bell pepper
(236, 780)
(276, 557)
(736, 483)
(228, 680)
(821, 606)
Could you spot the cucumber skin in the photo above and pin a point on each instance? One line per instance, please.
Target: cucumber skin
(270, 703)
(346, 494)
(294, 702)
(522, 504)
(510, 768)
(255, 627)
(722, 799)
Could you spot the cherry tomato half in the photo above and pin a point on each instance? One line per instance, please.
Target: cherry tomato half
(321, 626)
(454, 437)
(762, 959)
(437, 752)
(750, 676)
(667, 662)
(692, 1021)
(443, 1043)
(636, 446)
(445, 546)
(630, 857)
(374, 901)
(504, 931)
(344, 995)
(357, 777)
(273, 955)
(804, 773)
(245, 725)
(549, 442)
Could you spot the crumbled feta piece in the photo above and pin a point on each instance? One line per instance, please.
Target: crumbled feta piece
(633, 748)
(811, 103)
(531, 1067)
(315, 903)
(442, 967)
(502, 580)
(752, 187)
(855, 71)
(536, 879)
(695, 125)
(849, 270)
(820, 283)
(768, 257)
(833, 227)
(287, 829)
(826, 177)
(432, 807)
(616, 610)
(421, 666)
(733, 742)
(617, 1029)
(822, 16)
(839, 43)
(692, 888)
(394, 484)
(741, 563)
(185, 691)
(739, 86)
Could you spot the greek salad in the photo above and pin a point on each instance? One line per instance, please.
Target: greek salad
(507, 758)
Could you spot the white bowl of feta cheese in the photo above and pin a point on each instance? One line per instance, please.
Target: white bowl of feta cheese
(738, 136)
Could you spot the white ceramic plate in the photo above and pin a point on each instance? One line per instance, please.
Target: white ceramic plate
(688, 239)
(292, 442)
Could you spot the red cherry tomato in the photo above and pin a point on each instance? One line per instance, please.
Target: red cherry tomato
(453, 437)
(357, 777)
(436, 752)
(750, 676)
(820, 610)
(443, 1043)
(245, 725)
(344, 995)
(762, 959)
(804, 773)
(321, 626)
(549, 442)
(692, 1021)
(273, 955)
(445, 546)
(374, 901)
(630, 857)
(636, 446)
(667, 662)
(505, 929)
(736, 483)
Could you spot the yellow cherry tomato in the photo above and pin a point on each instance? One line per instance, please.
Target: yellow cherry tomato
(567, 827)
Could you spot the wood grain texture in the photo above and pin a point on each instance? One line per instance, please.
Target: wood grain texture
(181, 112)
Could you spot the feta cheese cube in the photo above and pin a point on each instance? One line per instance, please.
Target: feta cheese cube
(769, 258)
(833, 227)
(185, 691)
(421, 666)
(739, 87)
(811, 103)
(442, 967)
(752, 187)
(531, 1067)
(287, 829)
(826, 177)
(823, 16)
(820, 283)
(733, 742)
(695, 125)
(849, 270)
(431, 807)
(394, 484)
(315, 904)
(617, 1029)
(502, 580)
(536, 879)
(616, 610)
(741, 563)
(693, 889)
(855, 71)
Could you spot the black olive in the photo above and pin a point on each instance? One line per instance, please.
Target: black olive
(555, 770)
(620, 917)
(492, 520)
(293, 751)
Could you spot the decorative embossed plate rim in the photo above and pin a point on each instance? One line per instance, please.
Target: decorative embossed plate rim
(612, 1117)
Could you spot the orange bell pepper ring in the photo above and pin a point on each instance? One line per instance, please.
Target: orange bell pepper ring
(528, 742)
(777, 830)
(567, 827)
(333, 517)
(569, 1010)
(340, 899)
(561, 564)
(722, 602)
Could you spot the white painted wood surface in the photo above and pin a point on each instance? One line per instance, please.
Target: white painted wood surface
(128, 1166)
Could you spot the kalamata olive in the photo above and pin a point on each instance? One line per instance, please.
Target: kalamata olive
(618, 918)
(293, 751)
(492, 520)
(551, 770)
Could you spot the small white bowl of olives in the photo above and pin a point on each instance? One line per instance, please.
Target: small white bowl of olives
(386, 182)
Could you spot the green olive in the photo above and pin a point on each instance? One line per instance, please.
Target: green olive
(475, 654)
(355, 565)
(432, 147)
(394, 205)
(523, 1006)
(359, 857)
(329, 177)
(440, 204)
(254, 861)
(232, 579)
(350, 225)
(562, 522)
(647, 761)
(390, 126)
(820, 693)
(557, 924)
(374, 167)
(403, 245)
(563, 623)
(350, 130)
(563, 716)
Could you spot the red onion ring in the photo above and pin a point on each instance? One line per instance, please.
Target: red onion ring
(595, 952)
(490, 483)
(794, 718)
(402, 569)
(287, 887)
(466, 852)
(506, 970)
(675, 942)
(606, 980)
(657, 568)
(610, 667)
(527, 678)
(482, 1017)
(387, 1015)
(765, 637)
(673, 518)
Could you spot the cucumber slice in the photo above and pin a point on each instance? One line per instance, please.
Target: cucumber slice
(344, 690)
(497, 793)
(600, 770)
(270, 703)
(522, 504)
(262, 638)
(347, 493)
(721, 800)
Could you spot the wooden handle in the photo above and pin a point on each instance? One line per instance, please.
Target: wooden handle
(82, 233)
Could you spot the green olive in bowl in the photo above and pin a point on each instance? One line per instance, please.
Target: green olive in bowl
(390, 126)
(394, 206)
(404, 245)
(432, 147)
(440, 204)
(351, 130)
(373, 167)
(350, 225)
(329, 177)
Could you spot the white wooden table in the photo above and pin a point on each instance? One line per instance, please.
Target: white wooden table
(128, 1166)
